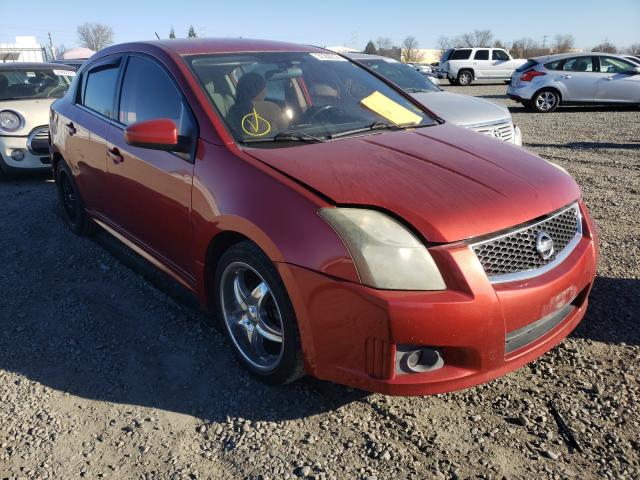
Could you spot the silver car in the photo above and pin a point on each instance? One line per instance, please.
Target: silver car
(469, 112)
(545, 82)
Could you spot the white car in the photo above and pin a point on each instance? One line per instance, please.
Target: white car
(469, 112)
(464, 65)
(26, 93)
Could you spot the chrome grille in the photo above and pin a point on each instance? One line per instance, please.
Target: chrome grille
(514, 256)
(500, 130)
(38, 141)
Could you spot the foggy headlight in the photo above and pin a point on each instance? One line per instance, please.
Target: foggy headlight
(387, 255)
(10, 121)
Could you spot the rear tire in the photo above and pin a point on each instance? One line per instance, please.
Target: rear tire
(465, 78)
(257, 316)
(545, 101)
(72, 205)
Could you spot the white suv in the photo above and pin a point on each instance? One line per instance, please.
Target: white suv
(464, 65)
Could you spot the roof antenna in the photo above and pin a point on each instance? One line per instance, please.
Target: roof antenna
(158, 36)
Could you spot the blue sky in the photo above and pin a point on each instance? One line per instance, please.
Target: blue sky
(327, 22)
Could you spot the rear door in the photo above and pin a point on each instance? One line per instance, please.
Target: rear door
(481, 63)
(616, 82)
(579, 77)
(150, 190)
(87, 126)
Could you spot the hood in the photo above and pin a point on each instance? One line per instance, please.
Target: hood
(462, 110)
(35, 112)
(448, 183)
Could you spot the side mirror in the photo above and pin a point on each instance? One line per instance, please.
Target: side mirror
(157, 134)
(635, 71)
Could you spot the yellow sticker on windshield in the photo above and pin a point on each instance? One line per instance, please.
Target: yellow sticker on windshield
(392, 111)
(255, 125)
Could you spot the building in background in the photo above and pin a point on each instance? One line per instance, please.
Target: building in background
(25, 49)
(427, 55)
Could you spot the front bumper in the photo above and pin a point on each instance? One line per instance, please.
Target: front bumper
(30, 162)
(350, 332)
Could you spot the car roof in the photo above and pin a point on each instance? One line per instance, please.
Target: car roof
(368, 56)
(199, 46)
(561, 56)
(29, 65)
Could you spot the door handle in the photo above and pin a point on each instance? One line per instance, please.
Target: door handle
(566, 76)
(115, 156)
(609, 78)
(70, 128)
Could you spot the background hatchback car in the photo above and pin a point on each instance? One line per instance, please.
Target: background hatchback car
(333, 225)
(26, 93)
(469, 112)
(543, 83)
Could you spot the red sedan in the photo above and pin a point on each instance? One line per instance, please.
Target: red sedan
(332, 224)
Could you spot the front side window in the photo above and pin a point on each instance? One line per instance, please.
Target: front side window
(481, 55)
(499, 55)
(316, 95)
(578, 64)
(99, 89)
(402, 75)
(34, 83)
(148, 94)
(460, 54)
(614, 65)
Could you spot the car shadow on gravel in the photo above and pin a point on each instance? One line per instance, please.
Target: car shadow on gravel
(118, 330)
(612, 316)
(587, 145)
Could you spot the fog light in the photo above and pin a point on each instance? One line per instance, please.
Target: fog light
(17, 154)
(415, 359)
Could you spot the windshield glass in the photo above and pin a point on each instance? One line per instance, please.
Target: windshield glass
(315, 96)
(402, 75)
(34, 83)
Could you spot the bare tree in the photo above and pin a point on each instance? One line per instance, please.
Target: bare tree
(633, 49)
(445, 43)
(477, 38)
(525, 47)
(60, 49)
(410, 51)
(606, 47)
(95, 36)
(497, 43)
(172, 33)
(562, 43)
(384, 43)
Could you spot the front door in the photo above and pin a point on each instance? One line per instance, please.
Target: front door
(150, 190)
(617, 82)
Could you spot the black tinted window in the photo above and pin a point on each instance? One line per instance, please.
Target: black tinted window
(481, 55)
(526, 66)
(461, 54)
(148, 93)
(578, 64)
(553, 65)
(100, 88)
(499, 55)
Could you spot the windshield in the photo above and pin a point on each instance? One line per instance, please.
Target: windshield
(34, 83)
(271, 96)
(402, 75)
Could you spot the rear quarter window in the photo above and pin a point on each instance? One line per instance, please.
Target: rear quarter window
(461, 54)
(553, 65)
(526, 66)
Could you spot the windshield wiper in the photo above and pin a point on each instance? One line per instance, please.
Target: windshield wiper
(287, 136)
(377, 125)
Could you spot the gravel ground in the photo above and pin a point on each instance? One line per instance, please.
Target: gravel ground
(108, 370)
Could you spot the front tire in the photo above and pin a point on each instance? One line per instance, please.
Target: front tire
(72, 205)
(545, 101)
(465, 77)
(257, 315)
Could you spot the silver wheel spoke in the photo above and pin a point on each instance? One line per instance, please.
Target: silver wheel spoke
(269, 333)
(259, 293)
(240, 291)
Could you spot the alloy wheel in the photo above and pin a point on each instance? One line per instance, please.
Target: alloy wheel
(465, 78)
(252, 316)
(69, 199)
(546, 101)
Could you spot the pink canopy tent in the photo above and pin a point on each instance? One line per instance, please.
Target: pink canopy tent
(77, 54)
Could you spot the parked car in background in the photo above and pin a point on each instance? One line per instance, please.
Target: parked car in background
(545, 82)
(334, 225)
(75, 64)
(26, 93)
(461, 66)
(470, 112)
(632, 58)
(421, 68)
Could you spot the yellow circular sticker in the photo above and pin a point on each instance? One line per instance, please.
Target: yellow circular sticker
(255, 125)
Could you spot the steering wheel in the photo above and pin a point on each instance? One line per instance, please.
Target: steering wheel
(315, 112)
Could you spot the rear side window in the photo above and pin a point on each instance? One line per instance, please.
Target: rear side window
(553, 65)
(148, 93)
(499, 55)
(461, 54)
(481, 55)
(99, 88)
(578, 64)
(526, 66)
